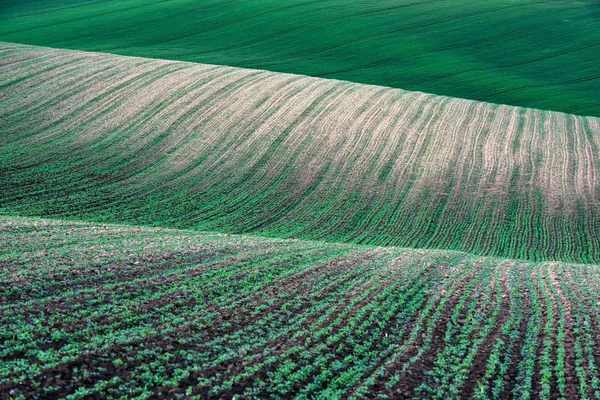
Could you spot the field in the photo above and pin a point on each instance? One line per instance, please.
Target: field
(299, 199)
(114, 310)
(532, 53)
(160, 143)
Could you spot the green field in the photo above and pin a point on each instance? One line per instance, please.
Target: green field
(111, 311)
(299, 199)
(541, 54)
(145, 142)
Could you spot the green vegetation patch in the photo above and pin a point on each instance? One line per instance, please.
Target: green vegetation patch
(534, 53)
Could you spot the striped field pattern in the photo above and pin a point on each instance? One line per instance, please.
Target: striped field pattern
(177, 230)
(110, 311)
(163, 143)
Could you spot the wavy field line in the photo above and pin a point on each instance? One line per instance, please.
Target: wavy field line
(149, 142)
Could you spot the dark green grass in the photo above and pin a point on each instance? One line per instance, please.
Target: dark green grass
(541, 54)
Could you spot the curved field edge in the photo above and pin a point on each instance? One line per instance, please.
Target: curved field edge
(129, 140)
(108, 310)
(536, 53)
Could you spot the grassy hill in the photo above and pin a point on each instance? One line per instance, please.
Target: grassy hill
(114, 310)
(535, 53)
(148, 142)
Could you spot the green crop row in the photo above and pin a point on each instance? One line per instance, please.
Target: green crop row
(112, 311)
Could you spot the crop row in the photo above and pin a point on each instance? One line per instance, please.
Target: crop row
(148, 142)
(112, 310)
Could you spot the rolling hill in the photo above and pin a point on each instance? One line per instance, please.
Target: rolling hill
(181, 145)
(111, 311)
(534, 53)
(308, 199)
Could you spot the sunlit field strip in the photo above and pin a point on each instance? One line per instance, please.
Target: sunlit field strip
(147, 142)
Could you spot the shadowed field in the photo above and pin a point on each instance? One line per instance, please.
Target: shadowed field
(138, 141)
(534, 53)
(110, 311)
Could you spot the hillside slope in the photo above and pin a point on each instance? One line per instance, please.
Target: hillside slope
(535, 53)
(146, 142)
(117, 311)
